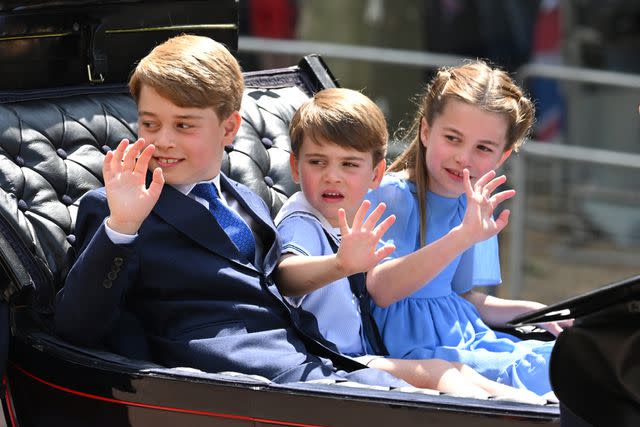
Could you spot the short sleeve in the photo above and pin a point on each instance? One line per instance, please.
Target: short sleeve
(479, 266)
(398, 197)
(301, 235)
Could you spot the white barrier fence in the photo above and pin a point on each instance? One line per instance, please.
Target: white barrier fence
(554, 152)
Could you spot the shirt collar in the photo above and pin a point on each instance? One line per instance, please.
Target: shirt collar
(299, 203)
(186, 188)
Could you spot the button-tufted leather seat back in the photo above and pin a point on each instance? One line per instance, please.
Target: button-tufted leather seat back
(259, 156)
(51, 152)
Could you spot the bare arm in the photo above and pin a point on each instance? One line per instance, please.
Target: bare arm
(397, 278)
(358, 252)
(496, 312)
(400, 277)
(299, 275)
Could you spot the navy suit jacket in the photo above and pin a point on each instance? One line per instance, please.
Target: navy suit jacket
(183, 286)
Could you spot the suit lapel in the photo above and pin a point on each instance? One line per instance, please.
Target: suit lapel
(196, 222)
(253, 205)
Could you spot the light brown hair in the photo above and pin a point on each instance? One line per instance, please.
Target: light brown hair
(192, 72)
(477, 84)
(344, 117)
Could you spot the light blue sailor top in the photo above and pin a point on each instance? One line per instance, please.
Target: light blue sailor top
(301, 231)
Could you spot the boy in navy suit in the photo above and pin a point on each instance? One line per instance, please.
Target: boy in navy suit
(174, 251)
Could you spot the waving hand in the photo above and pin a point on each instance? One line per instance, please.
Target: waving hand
(481, 204)
(124, 171)
(358, 249)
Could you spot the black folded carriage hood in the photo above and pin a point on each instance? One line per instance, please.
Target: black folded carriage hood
(47, 44)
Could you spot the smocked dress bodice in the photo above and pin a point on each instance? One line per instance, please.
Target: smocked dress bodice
(436, 321)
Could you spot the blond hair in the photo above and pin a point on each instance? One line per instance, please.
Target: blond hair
(344, 117)
(477, 84)
(192, 71)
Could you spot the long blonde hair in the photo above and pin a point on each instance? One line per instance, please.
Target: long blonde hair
(477, 84)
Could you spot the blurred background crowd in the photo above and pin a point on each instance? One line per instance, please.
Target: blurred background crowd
(576, 221)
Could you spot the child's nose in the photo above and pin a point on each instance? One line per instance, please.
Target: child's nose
(332, 174)
(164, 139)
(462, 156)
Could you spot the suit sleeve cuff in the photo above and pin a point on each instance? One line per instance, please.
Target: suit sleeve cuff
(117, 237)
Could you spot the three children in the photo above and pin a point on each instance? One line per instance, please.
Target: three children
(149, 282)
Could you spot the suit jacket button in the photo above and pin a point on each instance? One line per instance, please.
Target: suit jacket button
(118, 261)
(107, 283)
(112, 276)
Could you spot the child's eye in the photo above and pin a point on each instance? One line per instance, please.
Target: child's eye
(452, 138)
(148, 125)
(351, 164)
(316, 162)
(184, 126)
(485, 148)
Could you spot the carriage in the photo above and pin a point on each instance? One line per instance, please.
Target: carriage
(63, 104)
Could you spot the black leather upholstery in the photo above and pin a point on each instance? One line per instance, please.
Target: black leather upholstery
(259, 157)
(51, 152)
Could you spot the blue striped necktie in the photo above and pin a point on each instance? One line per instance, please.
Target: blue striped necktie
(237, 230)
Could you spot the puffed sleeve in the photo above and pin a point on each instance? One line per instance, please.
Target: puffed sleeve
(479, 266)
(397, 194)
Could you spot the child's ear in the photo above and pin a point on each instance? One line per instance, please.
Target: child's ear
(378, 174)
(293, 164)
(504, 157)
(231, 126)
(424, 132)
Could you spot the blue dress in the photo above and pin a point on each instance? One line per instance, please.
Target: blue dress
(435, 321)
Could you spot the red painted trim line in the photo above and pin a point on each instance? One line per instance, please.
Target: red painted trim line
(7, 397)
(161, 408)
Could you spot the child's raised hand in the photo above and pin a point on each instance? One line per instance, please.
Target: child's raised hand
(358, 247)
(124, 171)
(478, 219)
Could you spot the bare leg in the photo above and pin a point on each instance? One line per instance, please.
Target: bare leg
(434, 374)
(495, 388)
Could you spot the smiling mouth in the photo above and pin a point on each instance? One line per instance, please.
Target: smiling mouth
(329, 195)
(457, 174)
(167, 161)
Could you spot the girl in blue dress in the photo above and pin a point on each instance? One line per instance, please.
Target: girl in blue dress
(471, 117)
